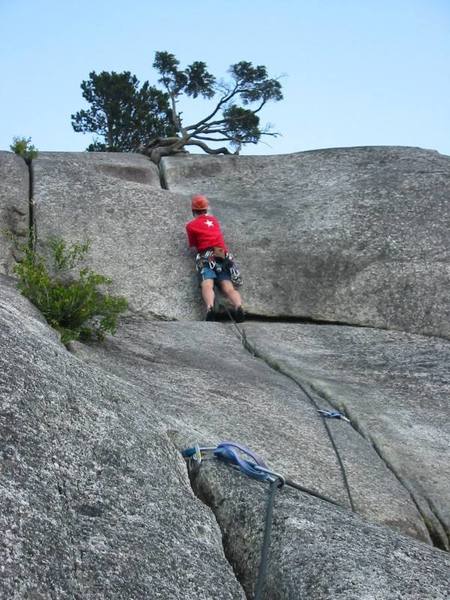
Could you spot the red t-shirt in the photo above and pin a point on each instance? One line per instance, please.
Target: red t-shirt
(204, 232)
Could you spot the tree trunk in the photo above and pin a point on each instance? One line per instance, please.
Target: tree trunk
(157, 153)
(160, 147)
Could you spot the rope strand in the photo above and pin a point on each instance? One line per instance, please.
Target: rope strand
(247, 345)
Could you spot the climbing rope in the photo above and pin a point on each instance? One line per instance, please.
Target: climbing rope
(248, 347)
(264, 561)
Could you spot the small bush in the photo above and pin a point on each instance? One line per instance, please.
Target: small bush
(24, 148)
(77, 308)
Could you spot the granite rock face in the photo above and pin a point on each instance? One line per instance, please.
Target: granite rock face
(317, 551)
(14, 207)
(95, 500)
(351, 235)
(95, 496)
(135, 228)
(208, 388)
(394, 387)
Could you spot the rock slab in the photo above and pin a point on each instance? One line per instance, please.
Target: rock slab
(394, 387)
(136, 229)
(95, 500)
(207, 387)
(350, 235)
(316, 551)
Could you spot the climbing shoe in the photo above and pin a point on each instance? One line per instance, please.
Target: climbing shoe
(239, 315)
(210, 315)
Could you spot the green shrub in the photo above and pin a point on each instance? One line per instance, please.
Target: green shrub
(24, 148)
(76, 307)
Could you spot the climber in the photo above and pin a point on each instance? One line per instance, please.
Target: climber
(213, 261)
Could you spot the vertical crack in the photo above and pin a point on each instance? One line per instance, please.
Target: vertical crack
(162, 175)
(21, 221)
(32, 236)
(206, 498)
(432, 522)
(442, 526)
(277, 367)
(436, 528)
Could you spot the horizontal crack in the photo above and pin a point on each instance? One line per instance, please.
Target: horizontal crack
(305, 320)
(223, 316)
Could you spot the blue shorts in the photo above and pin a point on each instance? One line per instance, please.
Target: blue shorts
(208, 273)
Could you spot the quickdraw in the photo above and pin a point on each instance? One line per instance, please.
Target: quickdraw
(245, 460)
(230, 453)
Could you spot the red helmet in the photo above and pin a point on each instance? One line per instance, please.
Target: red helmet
(199, 202)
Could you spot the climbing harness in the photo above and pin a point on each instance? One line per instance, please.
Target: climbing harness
(204, 259)
(217, 260)
(230, 453)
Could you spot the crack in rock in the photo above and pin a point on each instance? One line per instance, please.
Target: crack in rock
(277, 367)
(207, 500)
(433, 524)
(435, 527)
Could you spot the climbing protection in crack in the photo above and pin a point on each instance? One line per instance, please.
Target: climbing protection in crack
(250, 348)
(429, 518)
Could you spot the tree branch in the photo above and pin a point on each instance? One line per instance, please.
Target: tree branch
(259, 107)
(167, 141)
(208, 139)
(226, 98)
(207, 149)
(204, 126)
(271, 133)
(207, 126)
(208, 131)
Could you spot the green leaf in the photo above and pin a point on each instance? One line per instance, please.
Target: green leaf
(122, 114)
(24, 148)
(75, 306)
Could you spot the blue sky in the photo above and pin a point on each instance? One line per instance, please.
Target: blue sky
(366, 72)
